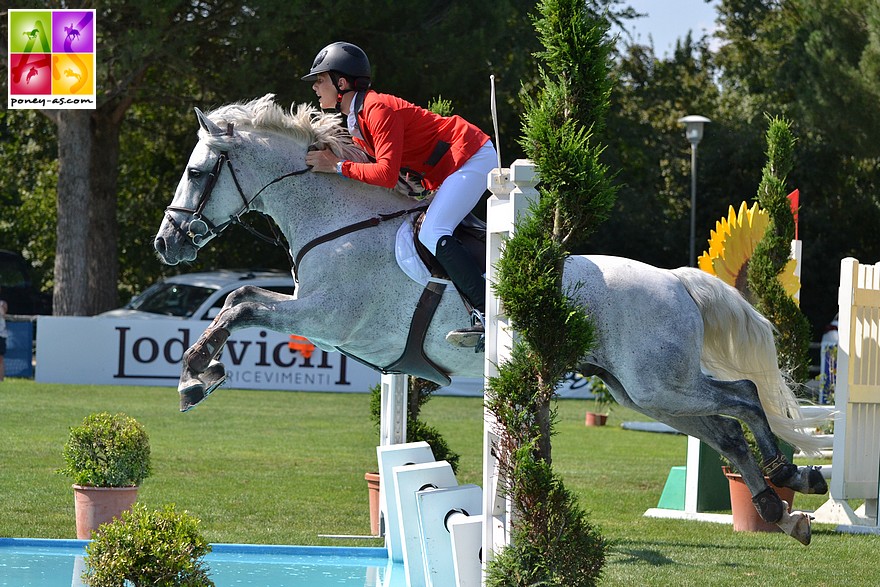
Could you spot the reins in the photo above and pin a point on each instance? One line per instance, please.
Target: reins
(202, 229)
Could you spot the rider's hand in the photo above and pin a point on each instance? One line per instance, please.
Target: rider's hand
(324, 160)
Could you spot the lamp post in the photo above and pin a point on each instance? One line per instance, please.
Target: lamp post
(694, 134)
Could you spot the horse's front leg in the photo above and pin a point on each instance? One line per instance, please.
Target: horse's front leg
(202, 373)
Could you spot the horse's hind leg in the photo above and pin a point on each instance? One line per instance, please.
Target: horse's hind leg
(740, 399)
(725, 435)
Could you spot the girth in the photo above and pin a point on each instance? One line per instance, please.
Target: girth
(413, 360)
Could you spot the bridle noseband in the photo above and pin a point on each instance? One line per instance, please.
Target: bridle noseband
(200, 229)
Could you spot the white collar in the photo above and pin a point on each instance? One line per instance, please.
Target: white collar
(353, 129)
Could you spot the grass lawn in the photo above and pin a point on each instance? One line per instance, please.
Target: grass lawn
(282, 468)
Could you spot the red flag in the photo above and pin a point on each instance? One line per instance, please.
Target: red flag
(794, 199)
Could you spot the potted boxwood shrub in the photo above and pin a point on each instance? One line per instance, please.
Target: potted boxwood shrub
(147, 548)
(107, 457)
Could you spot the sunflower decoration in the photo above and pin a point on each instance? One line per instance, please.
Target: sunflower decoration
(732, 244)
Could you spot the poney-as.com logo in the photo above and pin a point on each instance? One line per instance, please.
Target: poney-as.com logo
(52, 59)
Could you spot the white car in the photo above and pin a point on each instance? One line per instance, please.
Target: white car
(198, 296)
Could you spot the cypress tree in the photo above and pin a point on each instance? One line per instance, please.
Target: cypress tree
(773, 252)
(553, 542)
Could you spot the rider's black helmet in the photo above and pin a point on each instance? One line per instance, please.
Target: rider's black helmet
(344, 58)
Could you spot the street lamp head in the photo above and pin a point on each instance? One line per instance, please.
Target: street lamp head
(693, 127)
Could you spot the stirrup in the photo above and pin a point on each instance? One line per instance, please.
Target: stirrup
(478, 319)
(473, 336)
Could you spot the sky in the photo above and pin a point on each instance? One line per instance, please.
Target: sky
(669, 20)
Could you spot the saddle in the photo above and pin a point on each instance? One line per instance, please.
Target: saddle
(471, 232)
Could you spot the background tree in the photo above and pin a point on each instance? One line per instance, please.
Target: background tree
(157, 60)
(134, 40)
(776, 57)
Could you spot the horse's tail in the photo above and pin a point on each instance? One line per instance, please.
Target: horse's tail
(738, 343)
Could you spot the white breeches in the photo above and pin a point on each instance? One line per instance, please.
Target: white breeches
(456, 196)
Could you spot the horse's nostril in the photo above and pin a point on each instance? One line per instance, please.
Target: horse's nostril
(159, 244)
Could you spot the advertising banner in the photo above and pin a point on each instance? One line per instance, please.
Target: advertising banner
(120, 351)
(117, 351)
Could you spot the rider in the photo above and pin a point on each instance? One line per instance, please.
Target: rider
(452, 156)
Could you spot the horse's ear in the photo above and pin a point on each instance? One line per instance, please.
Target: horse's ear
(207, 125)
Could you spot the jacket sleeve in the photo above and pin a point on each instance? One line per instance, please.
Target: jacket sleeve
(386, 129)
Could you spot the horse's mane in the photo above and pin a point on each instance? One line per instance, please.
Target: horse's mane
(303, 123)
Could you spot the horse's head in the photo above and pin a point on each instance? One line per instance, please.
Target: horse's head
(243, 149)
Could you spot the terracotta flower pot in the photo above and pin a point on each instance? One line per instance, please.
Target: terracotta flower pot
(373, 483)
(745, 516)
(98, 505)
(593, 419)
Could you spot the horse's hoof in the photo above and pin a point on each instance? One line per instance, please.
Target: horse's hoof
(797, 525)
(195, 390)
(191, 396)
(213, 377)
(206, 349)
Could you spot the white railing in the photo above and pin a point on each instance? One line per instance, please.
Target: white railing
(856, 455)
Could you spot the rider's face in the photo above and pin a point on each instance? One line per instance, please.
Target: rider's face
(326, 91)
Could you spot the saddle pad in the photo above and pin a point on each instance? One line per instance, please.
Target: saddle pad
(407, 257)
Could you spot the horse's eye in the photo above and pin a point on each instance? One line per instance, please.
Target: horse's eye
(194, 173)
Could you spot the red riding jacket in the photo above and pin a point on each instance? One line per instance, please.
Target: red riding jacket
(400, 135)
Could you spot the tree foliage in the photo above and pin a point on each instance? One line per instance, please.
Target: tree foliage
(814, 63)
(157, 60)
(762, 64)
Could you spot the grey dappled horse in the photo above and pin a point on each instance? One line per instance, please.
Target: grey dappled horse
(659, 332)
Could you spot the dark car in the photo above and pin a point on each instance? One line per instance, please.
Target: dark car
(17, 287)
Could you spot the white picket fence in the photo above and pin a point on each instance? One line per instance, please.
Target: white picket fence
(856, 457)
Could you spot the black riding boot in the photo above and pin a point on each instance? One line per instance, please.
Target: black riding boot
(469, 280)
